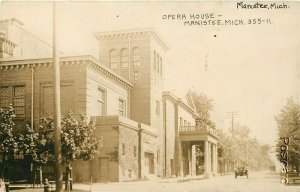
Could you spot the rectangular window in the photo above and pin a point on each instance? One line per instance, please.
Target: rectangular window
(19, 100)
(123, 149)
(4, 95)
(122, 108)
(134, 151)
(185, 123)
(135, 75)
(157, 107)
(101, 102)
(158, 156)
(181, 121)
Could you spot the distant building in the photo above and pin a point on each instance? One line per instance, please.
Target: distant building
(24, 43)
(146, 132)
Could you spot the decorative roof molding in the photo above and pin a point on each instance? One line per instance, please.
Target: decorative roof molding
(10, 43)
(87, 60)
(12, 20)
(102, 36)
(177, 100)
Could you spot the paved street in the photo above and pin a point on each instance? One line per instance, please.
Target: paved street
(257, 182)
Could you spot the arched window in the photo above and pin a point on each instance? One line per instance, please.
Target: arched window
(136, 57)
(154, 60)
(113, 59)
(124, 57)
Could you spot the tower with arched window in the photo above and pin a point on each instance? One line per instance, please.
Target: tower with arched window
(138, 55)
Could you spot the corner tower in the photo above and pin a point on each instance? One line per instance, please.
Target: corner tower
(138, 55)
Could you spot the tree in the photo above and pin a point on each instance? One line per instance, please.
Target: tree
(77, 137)
(238, 148)
(288, 123)
(38, 146)
(203, 106)
(77, 140)
(7, 140)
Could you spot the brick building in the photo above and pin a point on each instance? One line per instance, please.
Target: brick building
(146, 132)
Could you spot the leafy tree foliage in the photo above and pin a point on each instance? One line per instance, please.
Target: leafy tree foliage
(239, 148)
(77, 140)
(77, 137)
(7, 140)
(38, 145)
(203, 106)
(288, 123)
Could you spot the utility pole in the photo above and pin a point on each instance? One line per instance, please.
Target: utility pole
(57, 110)
(232, 115)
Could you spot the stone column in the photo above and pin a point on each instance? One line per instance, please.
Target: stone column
(180, 159)
(209, 157)
(193, 160)
(215, 161)
(216, 155)
(206, 160)
(189, 158)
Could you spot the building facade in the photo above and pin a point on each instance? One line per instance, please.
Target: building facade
(146, 132)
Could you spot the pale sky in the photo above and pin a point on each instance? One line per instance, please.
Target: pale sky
(251, 69)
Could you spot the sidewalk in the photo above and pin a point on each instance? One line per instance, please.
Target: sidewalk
(84, 187)
(28, 188)
(180, 179)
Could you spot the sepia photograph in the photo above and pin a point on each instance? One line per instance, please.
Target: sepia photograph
(149, 96)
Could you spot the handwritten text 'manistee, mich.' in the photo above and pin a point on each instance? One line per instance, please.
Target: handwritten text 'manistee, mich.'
(262, 5)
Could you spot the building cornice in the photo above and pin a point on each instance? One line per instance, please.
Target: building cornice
(12, 20)
(89, 61)
(178, 101)
(8, 42)
(102, 36)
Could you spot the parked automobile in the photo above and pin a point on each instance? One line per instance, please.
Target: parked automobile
(241, 171)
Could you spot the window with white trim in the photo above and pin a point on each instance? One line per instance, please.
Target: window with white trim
(4, 96)
(101, 100)
(19, 100)
(122, 108)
